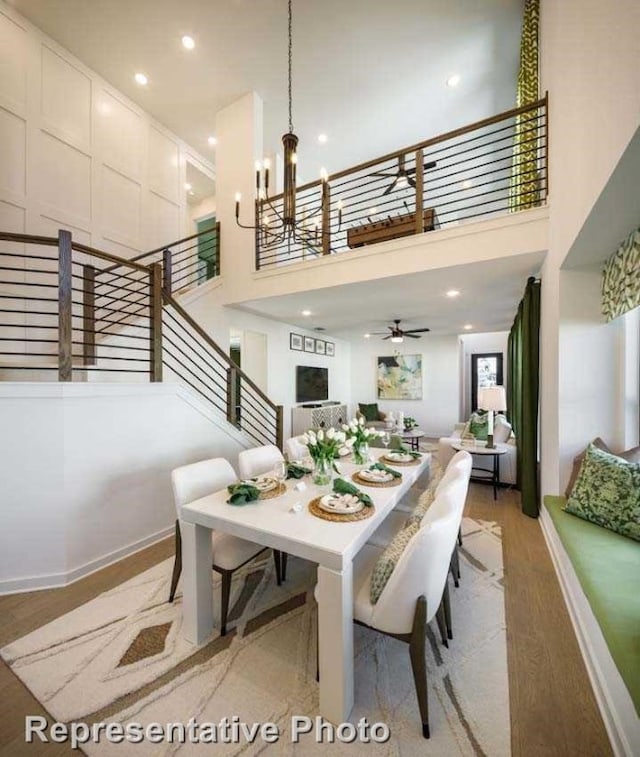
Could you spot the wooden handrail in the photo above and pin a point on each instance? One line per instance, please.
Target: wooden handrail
(223, 355)
(421, 145)
(109, 258)
(6, 236)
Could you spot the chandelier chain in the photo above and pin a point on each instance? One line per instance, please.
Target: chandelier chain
(290, 28)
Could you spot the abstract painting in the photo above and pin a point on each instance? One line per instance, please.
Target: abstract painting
(400, 377)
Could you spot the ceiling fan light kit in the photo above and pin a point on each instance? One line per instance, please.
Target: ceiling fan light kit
(397, 334)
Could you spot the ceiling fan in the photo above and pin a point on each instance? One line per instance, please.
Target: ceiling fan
(397, 334)
(402, 177)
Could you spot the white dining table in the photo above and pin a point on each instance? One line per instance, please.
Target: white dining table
(274, 523)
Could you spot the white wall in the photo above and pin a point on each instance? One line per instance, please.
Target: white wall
(75, 153)
(85, 473)
(494, 341)
(205, 305)
(437, 411)
(589, 61)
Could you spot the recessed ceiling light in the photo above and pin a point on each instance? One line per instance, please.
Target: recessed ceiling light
(367, 336)
(467, 183)
(468, 326)
(306, 313)
(453, 293)
(188, 42)
(187, 186)
(322, 138)
(141, 79)
(212, 141)
(453, 81)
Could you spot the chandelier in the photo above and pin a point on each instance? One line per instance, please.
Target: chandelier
(312, 231)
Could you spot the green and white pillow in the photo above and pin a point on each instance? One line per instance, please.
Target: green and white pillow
(478, 425)
(386, 563)
(607, 493)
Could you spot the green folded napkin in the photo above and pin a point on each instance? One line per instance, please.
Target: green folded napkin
(386, 469)
(242, 493)
(340, 486)
(297, 471)
(407, 451)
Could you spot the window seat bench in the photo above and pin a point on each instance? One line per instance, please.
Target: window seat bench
(599, 572)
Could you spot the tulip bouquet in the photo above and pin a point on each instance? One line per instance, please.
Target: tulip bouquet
(324, 447)
(358, 438)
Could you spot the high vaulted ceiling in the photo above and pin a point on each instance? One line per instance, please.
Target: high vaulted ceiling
(368, 73)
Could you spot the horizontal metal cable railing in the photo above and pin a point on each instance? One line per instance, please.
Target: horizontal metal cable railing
(493, 166)
(189, 353)
(83, 314)
(187, 262)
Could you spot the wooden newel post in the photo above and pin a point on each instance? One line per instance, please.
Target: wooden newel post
(167, 272)
(232, 396)
(419, 191)
(65, 323)
(155, 322)
(326, 218)
(89, 314)
(279, 428)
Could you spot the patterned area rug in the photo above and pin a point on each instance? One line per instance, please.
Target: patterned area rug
(121, 658)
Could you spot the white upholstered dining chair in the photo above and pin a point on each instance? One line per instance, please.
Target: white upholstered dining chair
(191, 482)
(294, 449)
(258, 460)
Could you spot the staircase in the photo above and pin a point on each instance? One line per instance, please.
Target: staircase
(69, 312)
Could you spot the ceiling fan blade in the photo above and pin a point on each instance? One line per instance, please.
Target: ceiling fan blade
(380, 173)
(415, 331)
(384, 338)
(411, 336)
(389, 188)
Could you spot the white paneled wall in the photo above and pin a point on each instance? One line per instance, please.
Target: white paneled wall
(76, 154)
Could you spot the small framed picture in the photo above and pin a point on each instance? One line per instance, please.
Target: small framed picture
(295, 342)
(320, 346)
(330, 348)
(309, 344)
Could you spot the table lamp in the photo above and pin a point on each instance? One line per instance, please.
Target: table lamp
(492, 398)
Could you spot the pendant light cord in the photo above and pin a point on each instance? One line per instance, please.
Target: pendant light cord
(290, 60)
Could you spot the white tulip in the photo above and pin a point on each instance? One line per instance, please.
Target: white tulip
(304, 439)
(361, 421)
(331, 433)
(350, 442)
(312, 437)
(340, 437)
(345, 427)
(353, 425)
(320, 434)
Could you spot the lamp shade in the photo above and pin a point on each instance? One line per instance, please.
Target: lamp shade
(492, 398)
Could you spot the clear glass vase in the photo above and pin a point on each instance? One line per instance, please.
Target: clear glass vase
(361, 454)
(323, 471)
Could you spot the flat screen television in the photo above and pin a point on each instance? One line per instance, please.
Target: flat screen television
(312, 383)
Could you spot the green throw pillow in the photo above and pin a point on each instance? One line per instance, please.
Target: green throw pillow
(388, 560)
(607, 493)
(479, 426)
(370, 412)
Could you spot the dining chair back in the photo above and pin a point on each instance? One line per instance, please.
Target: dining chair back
(190, 482)
(295, 449)
(257, 460)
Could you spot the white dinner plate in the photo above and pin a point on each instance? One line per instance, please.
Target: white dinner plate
(343, 504)
(375, 476)
(263, 483)
(399, 457)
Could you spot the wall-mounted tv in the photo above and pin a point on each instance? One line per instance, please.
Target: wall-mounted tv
(312, 383)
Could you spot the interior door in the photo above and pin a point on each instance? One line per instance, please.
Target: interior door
(486, 370)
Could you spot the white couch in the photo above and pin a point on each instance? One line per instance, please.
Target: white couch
(507, 461)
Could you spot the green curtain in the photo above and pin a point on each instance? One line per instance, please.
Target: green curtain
(525, 184)
(621, 278)
(522, 393)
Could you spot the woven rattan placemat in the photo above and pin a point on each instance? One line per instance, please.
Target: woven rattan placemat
(378, 484)
(315, 509)
(397, 462)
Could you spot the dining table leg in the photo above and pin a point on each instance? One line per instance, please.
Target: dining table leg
(335, 642)
(197, 582)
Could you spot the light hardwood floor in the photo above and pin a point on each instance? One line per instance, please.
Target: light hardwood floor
(553, 710)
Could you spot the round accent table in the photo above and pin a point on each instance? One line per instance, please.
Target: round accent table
(485, 474)
(413, 437)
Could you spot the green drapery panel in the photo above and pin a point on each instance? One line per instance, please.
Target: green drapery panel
(525, 181)
(621, 278)
(522, 393)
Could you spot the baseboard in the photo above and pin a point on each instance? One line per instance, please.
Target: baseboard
(613, 698)
(57, 580)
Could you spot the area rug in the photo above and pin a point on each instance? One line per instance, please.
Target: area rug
(121, 658)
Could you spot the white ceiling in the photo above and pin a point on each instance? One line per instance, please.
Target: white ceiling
(489, 296)
(369, 73)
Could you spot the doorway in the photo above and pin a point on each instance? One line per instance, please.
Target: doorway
(486, 370)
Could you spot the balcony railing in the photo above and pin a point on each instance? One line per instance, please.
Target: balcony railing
(489, 167)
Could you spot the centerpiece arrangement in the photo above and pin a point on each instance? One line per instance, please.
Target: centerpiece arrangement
(324, 448)
(358, 437)
(410, 423)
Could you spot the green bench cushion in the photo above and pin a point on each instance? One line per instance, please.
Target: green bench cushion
(608, 568)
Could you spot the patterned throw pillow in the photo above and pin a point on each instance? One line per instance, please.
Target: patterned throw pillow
(577, 464)
(388, 560)
(370, 412)
(479, 426)
(607, 493)
(426, 498)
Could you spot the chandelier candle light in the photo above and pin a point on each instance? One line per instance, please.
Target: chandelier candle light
(287, 227)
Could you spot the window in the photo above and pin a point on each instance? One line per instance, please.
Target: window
(486, 370)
